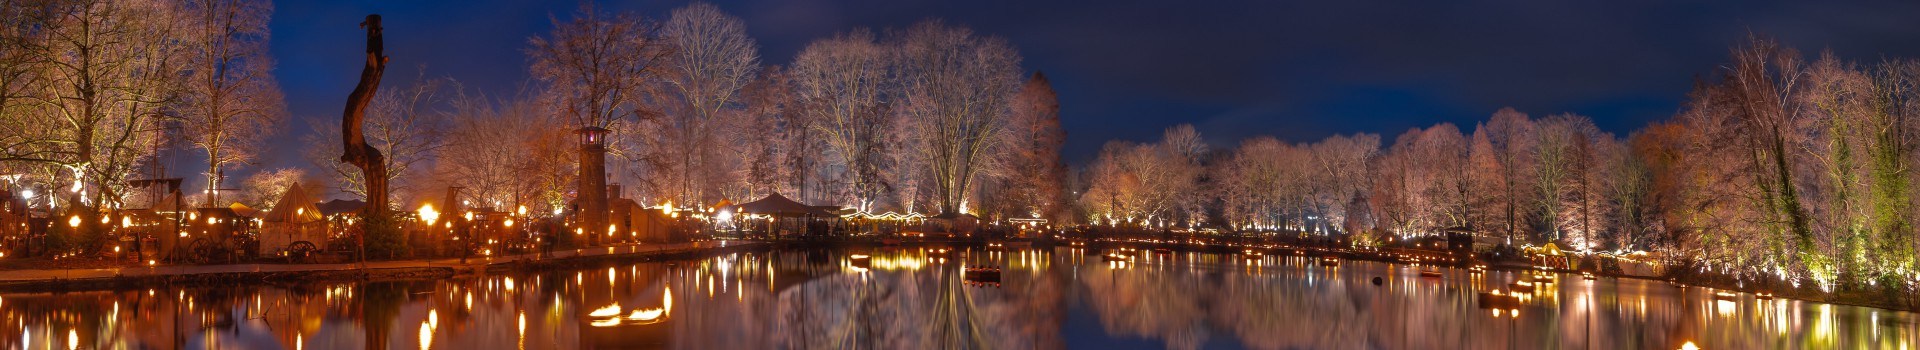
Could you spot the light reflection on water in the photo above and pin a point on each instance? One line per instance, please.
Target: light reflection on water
(918, 298)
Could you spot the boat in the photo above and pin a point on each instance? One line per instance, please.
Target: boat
(861, 261)
(1116, 257)
(1499, 300)
(1430, 273)
(1252, 254)
(1587, 275)
(1725, 295)
(1330, 262)
(1522, 287)
(1763, 296)
(983, 272)
(1163, 251)
(981, 276)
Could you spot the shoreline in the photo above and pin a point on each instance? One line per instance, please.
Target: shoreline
(1857, 298)
(191, 276)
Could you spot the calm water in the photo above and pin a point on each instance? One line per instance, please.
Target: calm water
(1058, 298)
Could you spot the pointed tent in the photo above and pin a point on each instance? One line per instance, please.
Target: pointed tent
(777, 205)
(295, 206)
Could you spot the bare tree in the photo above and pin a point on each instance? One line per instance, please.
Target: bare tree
(595, 69)
(263, 189)
(711, 60)
(504, 153)
(402, 122)
(957, 85)
(841, 86)
(1509, 139)
(109, 72)
(1151, 185)
(596, 65)
(231, 102)
(1037, 177)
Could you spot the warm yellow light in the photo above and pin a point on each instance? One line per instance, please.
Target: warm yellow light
(469, 216)
(74, 221)
(426, 336)
(427, 213)
(509, 223)
(645, 314)
(609, 310)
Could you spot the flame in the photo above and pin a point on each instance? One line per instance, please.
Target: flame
(609, 310)
(646, 314)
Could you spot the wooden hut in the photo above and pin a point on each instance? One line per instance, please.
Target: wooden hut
(642, 224)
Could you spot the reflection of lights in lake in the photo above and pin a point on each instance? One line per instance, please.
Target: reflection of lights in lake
(1724, 308)
(426, 336)
(1823, 326)
(1689, 346)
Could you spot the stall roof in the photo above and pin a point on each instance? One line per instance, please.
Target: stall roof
(244, 210)
(775, 204)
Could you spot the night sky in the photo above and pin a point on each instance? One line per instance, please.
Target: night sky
(1299, 70)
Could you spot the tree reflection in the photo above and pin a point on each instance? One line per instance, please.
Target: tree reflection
(910, 298)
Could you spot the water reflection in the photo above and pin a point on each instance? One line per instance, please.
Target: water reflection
(925, 298)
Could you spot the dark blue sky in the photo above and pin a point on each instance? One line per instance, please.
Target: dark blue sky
(1300, 70)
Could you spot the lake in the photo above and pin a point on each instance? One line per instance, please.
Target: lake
(914, 298)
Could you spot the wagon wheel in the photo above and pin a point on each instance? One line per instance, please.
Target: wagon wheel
(299, 251)
(200, 251)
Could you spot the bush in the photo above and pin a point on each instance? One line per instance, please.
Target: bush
(385, 239)
(85, 239)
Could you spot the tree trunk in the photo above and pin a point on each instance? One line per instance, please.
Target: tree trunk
(372, 164)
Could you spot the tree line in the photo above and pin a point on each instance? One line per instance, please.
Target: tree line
(1777, 165)
(928, 118)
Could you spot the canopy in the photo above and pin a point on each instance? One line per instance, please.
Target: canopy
(244, 210)
(1550, 249)
(775, 204)
(294, 207)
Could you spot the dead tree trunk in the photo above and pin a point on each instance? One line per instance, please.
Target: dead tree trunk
(373, 166)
